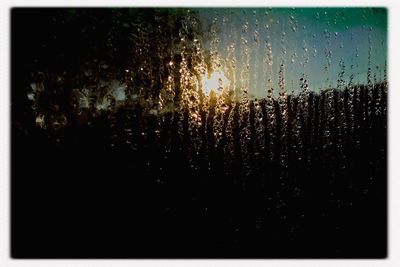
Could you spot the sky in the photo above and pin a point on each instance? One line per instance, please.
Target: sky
(305, 40)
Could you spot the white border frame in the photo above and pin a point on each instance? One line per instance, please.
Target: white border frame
(393, 145)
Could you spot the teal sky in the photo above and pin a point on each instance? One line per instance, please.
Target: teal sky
(312, 37)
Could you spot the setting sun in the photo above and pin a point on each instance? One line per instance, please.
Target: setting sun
(217, 80)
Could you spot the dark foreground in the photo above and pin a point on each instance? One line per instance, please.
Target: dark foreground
(81, 198)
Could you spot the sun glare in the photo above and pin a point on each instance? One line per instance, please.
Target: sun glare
(216, 82)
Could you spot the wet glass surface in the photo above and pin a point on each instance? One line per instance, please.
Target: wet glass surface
(199, 133)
